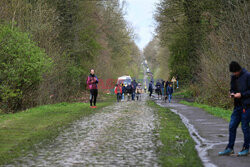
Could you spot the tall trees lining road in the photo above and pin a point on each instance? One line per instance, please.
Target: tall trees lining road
(198, 39)
(73, 36)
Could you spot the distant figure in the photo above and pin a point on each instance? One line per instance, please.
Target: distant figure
(92, 82)
(240, 92)
(162, 89)
(170, 92)
(134, 85)
(177, 81)
(158, 88)
(123, 91)
(138, 92)
(166, 90)
(129, 91)
(150, 88)
(118, 92)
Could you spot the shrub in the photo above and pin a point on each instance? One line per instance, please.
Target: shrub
(22, 67)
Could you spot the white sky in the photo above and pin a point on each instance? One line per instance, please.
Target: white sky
(140, 14)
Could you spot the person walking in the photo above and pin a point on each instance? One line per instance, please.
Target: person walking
(166, 90)
(240, 92)
(170, 91)
(138, 91)
(162, 89)
(150, 88)
(129, 91)
(158, 88)
(92, 82)
(118, 92)
(123, 91)
(134, 85)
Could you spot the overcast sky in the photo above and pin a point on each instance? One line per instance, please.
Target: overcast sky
(140, 14)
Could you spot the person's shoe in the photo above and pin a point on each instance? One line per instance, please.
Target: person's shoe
(94, 107)
(227, 151)
(91, 106)
(244, 152)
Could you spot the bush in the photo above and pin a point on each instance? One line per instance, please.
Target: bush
(22, 67)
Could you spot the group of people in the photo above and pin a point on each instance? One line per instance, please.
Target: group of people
(163, 89)
(240, 92)
(132, 90)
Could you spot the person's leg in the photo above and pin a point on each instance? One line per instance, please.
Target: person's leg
(95, 96)
(117, 97)
(233, 125)
(123, 96)
(91, 96)
(245, 119)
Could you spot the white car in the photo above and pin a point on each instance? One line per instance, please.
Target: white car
(125, 80)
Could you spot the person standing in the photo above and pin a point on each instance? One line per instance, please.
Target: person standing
(92, 82)
(118, 92)
(170, 92)
(240, 92)
(150, 88)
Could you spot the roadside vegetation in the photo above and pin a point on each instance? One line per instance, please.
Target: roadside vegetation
(196, 40)
(178, 148)
(20, 132)
(47, 49)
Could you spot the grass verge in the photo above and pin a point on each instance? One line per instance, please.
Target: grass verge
(178, 149)
(216, 111)
(184, 93)
(19, 132)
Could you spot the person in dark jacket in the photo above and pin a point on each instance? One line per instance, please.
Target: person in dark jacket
(134, 85)
(92, 82)
(158, 88)
(240, 92)
(150, 88)
(170, 92)
(162, 89)
(129, 91)
(123, 91)
(166, 89)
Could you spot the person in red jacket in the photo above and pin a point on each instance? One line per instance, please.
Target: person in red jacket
(92, 82)
(118, 92)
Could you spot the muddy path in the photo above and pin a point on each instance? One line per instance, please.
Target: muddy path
(210, 134)
(119, 135)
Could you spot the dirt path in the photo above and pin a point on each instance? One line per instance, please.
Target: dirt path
(211, 135)
(120, 135)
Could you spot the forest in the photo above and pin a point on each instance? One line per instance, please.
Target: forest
(47, 48)
(196, 40)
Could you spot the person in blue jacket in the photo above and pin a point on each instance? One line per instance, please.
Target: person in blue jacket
(240, 92)
(150, 88)
(170, 92)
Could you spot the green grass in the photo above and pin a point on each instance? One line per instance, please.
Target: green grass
(216, 111)
(184, 93)
(19, 132)
(178, 149)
